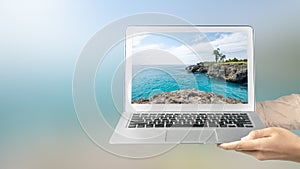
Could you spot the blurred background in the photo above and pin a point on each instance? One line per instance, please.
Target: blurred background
(40, 41)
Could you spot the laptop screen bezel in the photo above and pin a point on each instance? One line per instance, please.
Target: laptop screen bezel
(137, 29)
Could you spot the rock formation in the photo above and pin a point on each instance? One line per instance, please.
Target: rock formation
(190, 96)
(232, 72)
(198, 68)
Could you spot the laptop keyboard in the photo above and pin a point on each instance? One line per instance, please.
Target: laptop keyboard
(167, 120)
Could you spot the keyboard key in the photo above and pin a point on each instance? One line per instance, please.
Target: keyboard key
(169, 125)
(132, 126)
(198, 125)
(149, 125)
(141, 125)
(223, 125)
(213, 125)
(240, 125)
(159, 125)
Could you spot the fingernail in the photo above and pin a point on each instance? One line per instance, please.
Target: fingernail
(245, 138)
(220, 145)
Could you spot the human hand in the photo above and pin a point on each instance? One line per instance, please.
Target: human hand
(268, 144)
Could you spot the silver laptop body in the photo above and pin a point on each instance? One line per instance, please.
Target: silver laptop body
(187, 84)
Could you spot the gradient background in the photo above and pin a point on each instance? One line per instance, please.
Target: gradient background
(41, 40)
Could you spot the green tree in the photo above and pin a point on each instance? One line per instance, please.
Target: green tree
(217, 54)
(235, 60)
(222, 57)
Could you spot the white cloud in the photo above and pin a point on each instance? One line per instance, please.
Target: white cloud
(199, 38)
(167, 55)
(155, 57)
(184, 53)
(205, 47)
(187, 54)
(136, 40)
(147, 47)
(231, 43)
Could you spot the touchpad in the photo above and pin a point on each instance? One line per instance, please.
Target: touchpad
(191, 136)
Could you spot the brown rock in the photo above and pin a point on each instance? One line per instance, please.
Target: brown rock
(190, 96)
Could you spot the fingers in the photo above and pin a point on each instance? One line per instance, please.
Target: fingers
(241, 145)
(266, 144)
(253, 141)
(262, 155)
(229, 146)
(255, 134)
(257, 154)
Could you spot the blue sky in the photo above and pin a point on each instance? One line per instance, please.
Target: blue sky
(188, 47)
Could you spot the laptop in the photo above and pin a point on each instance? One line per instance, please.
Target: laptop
(187, 84)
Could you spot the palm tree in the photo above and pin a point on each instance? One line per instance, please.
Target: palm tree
(217, 54)
(222, 57)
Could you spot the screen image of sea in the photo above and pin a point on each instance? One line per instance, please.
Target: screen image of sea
(199, 68)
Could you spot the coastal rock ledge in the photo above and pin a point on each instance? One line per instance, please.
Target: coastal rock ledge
(190, 96)
(236, 73)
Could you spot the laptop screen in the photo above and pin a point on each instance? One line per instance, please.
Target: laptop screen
(201, 66)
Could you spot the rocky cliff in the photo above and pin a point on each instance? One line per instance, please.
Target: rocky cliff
(191, 96)
(197, 68)
(232, 72)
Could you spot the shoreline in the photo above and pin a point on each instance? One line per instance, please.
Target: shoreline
(231, 72)
(188, 96)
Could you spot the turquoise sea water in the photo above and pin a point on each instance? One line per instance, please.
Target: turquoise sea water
(148, 80)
